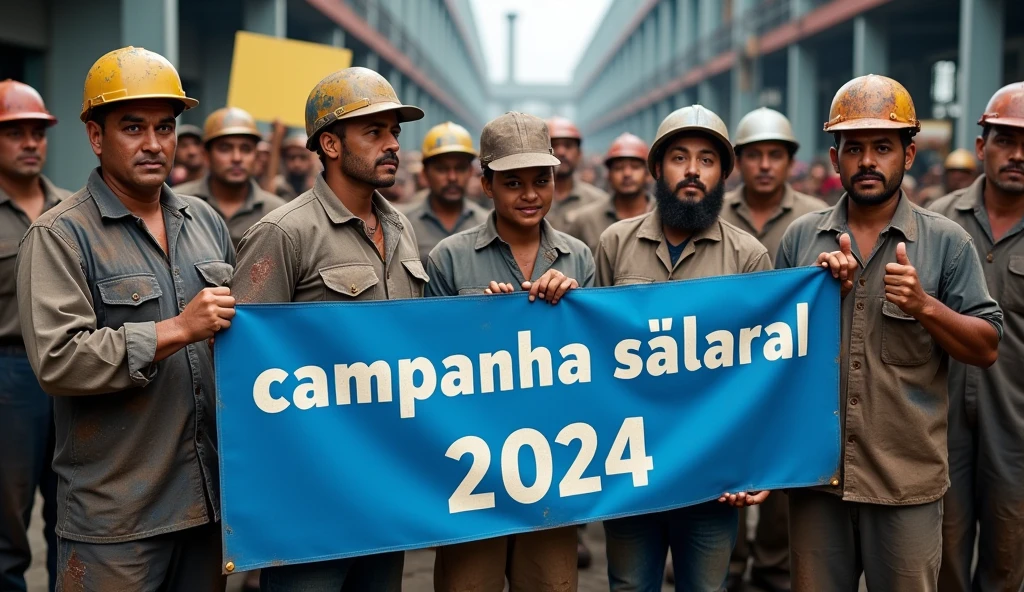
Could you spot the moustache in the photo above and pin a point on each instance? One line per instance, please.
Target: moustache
(1013, 166)
(389, 158)
(691, 183)
(865, 175)
(159, 161)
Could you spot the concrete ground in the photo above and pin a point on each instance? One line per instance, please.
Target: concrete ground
(419, 565)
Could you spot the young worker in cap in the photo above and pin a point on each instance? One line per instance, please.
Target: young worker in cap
(340, 241)
(913, 296)
(448, 157)
(515, 249)
(571, 192)
(120, 287)
(683, 238)
(627, 176)
(26, 413)
(230, 137)
(984, 506)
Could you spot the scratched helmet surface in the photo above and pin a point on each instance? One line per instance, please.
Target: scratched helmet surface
(230, 121)
(352, 92)
(1006, 107)
(447, 138)
(872, 102)
(764, 125)
(132, 73)
(627, 146)
(696, 118)
(19, 101)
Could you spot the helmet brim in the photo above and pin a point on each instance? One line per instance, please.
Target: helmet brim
(870, 124)
(768, 137)
(449, 150)
(1007, 121)
(46, 117)
(405, 113)
(725, 148)
(233, 131)
(524, 160)
(187, 102)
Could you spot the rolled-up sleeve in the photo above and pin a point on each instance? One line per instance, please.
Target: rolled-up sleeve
(966, 291)
(69, 354)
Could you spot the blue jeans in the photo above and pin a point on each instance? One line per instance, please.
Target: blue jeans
(372, 573)
(26, 457)
(701, 538)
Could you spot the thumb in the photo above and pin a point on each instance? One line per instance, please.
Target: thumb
(901, 254)
(844, 244)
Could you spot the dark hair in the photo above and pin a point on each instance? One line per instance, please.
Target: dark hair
(99, 114)
(488, 173)
(906, 138)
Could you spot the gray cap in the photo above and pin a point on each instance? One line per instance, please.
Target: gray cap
(189, 130)
(516, 141)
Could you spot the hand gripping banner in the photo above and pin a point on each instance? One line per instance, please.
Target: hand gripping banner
(355, 428)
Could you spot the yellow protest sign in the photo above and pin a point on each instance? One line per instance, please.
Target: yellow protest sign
(271, 77)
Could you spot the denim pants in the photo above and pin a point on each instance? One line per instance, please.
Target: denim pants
(372, 573)
(26, 456)
(701, 538)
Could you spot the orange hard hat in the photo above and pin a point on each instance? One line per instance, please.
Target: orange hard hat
(872, 102)
(19, 101)
(560, 127)
(627, 146)
(1006, 107)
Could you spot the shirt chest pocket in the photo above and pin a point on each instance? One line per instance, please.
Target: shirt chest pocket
(905, 342)
(418, 277)
(1013, 290)
(215, 273)
(130, 299)
(349, 282)
(8, 258)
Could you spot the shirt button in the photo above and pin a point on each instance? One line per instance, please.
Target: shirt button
(177, 271)
(854, 401)
(181, 303)
(135, 297)
(856, 365)
(862, 282)
(850, 440)
(859, 306)
(835, 483)
(353, 288)
(198, 391)
(990, 258)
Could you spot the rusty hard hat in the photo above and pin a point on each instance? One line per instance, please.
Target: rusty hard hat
(352, 92)
(627, 146)
(516, 141)
(560, 127)
(1006, 107)
(764, 125)
(696, 119)
(19, 101)
(960, 160)
(447, 138)
(230, 121)
(132, 73)
(872, 102)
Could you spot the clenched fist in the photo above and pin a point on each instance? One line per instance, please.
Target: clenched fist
(210, 311)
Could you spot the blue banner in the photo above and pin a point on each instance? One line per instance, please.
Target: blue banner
(349, 429)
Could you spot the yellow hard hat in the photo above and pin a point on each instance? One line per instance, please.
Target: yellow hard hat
(447, 138)
(872, 102)
(230, 121)
(960, 160)
(695, 118)
(132, 73)
(352, 92)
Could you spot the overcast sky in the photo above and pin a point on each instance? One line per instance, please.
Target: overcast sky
(551, 35)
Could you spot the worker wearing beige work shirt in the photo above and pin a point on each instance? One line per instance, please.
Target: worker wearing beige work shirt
(682, 238)
(340, 241)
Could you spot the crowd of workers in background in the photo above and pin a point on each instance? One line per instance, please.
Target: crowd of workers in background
(110, 297)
